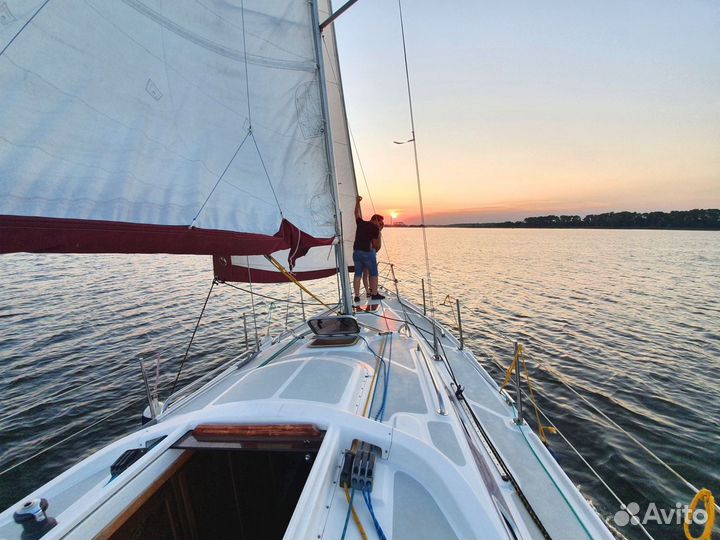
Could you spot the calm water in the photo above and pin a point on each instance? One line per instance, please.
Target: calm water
(630, 318)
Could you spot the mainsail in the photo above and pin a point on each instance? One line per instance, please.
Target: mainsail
(318, 261)
(142, 126)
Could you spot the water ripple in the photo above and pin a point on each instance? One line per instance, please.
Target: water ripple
(629, 318)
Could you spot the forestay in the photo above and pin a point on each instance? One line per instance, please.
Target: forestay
(149, 126)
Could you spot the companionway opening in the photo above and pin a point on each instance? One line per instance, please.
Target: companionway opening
(229, 489)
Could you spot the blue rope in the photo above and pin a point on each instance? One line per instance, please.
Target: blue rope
(384, 369)
(386, 382)
(368, 503)
(349, 511)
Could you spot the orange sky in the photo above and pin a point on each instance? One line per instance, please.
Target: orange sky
(526, 109)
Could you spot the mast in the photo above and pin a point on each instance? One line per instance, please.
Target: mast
(346, 297)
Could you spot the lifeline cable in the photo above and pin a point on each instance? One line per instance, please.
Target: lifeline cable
(576, 451)
(273, 298)
(564, 382)
(197, 324)
(72, 435)
(252, 303)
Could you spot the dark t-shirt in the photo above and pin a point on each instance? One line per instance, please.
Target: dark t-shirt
(366, 231)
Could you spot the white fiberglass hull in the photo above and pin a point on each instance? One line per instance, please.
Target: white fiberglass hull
(444, 467)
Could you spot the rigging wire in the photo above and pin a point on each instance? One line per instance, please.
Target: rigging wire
(250, 125)
(247, 78)
(69, 437)
(23, 27)
(273, 298)
(357, 154)
(197, 324)
(594, 472)
(628, 434)
(252, 301)
(51, 399)
(367, 187)
(563, 380)
(222, 175)
(278, 265)
(287, 305)
(267, 174)
(574, 449)
(417, 165)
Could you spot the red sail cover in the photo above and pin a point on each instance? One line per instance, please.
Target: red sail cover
(226, 267)
(49, 235)
(236, 268)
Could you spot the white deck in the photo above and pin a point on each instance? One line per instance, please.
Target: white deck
(433, 480)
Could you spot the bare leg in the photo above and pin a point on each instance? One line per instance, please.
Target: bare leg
(356, 285)
(366, 275)
(373, 284)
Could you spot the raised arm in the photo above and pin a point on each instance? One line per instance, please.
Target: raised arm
(358, 210)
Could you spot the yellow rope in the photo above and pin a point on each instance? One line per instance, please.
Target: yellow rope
(707, 498)
(371, 392)
(292, 278)
(520, 356)
(512, 367)
(356, 519)
(541, 428)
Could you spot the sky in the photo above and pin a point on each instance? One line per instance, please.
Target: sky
(529, 108)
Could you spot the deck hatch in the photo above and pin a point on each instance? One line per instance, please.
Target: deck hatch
(344, 325)
(342, 341)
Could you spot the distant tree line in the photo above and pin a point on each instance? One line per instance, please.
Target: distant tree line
(677, 219)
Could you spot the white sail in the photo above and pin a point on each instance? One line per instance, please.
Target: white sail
(162, 116)
(318, 262)
(342, 151)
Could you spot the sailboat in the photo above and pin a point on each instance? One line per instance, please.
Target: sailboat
(218, 128)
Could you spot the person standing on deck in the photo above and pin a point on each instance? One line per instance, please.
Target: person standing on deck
(366, 272)
(367, 244)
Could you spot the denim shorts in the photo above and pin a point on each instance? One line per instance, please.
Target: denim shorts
(363, 260)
